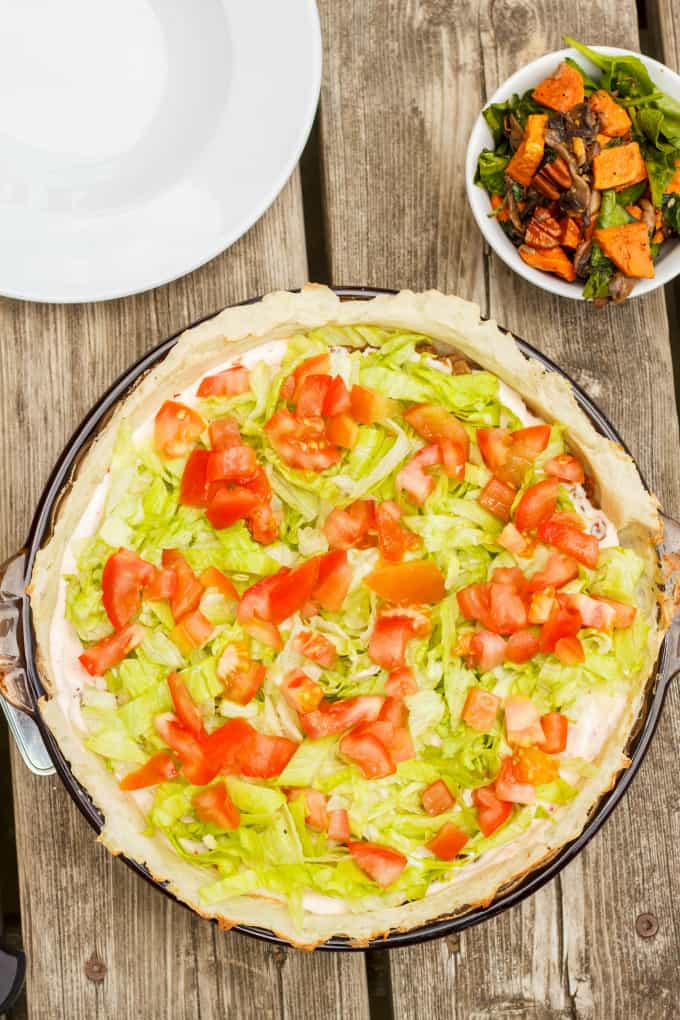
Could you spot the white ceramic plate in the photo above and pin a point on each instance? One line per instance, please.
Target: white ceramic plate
(666, 266)
(138, 139)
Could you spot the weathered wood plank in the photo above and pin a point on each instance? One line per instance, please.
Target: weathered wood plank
(161, 961)
(404, 82)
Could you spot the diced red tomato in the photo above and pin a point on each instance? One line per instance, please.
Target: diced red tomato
(189, 590)
(163, 585)
(522, 723)
(264, 527)
(230, 505)
(195, 765)
(185, 708)
(521, 646)
(480, 709)
(176, 429)
(487, 650)
(394, 712)
(368, 753)
(216, 807)
(400, 683)
(491, 812)
(623, 614)
(558, 571)
(507, 612)
(235, 464)
(342, 430)
(411, 583)
(243, 684)
(301, 443)
(534, 766)
(265, 757)
(508, 786)
(224, 747)
(224, 432)
(570, 540)
(111, 650)
(494, 446)
(413, 477)
(569, 651)
(391, 634)
(334, 579)
(229, 383)
(393, 538)
(214, 578)
(542, 605)
(346, 528)
(513, 577)
(194, 489)
(509, 454)
(254, 611)
(593, 612)
(530, 441)
(158, 769)
(473, 601)
(315, 647)
(192, 631)
(339, 716)
(312, 395)
(338, 825)
(318, 364)
(301, 692)
(453, 458)
(337, 400)
(293, 588)
(369, 407)
(561, 623)
(124, 575)
(566, 468)
(448, 842)
(401, 745)
(555, 730)
(497, 497)
(380, 863)
(435, 423)
(537, 503)
(316, 816)
(437, 798)
(514, 541)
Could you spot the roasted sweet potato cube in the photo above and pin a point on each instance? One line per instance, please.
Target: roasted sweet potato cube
(619, 167)
(561, 91)
(628, 248)
(570, 232)
(614, 120)
(529, 154)
(555, 261)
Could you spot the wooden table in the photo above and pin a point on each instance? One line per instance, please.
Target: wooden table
(403, 82)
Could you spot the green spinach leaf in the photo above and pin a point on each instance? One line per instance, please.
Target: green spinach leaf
(491, 171)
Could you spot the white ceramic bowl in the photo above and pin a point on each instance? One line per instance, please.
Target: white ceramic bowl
(666, 267)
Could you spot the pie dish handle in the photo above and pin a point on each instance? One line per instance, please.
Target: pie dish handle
(16, 700)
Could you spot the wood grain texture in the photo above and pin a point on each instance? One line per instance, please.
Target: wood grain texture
(403, 84)
(161, 961)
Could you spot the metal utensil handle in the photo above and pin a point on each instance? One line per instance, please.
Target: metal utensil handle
(12, 974)
(15, 697)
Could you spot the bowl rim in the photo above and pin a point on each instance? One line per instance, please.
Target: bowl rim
(665, 270)
(516, 890)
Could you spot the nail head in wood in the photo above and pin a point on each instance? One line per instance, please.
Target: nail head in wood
(647, 925)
